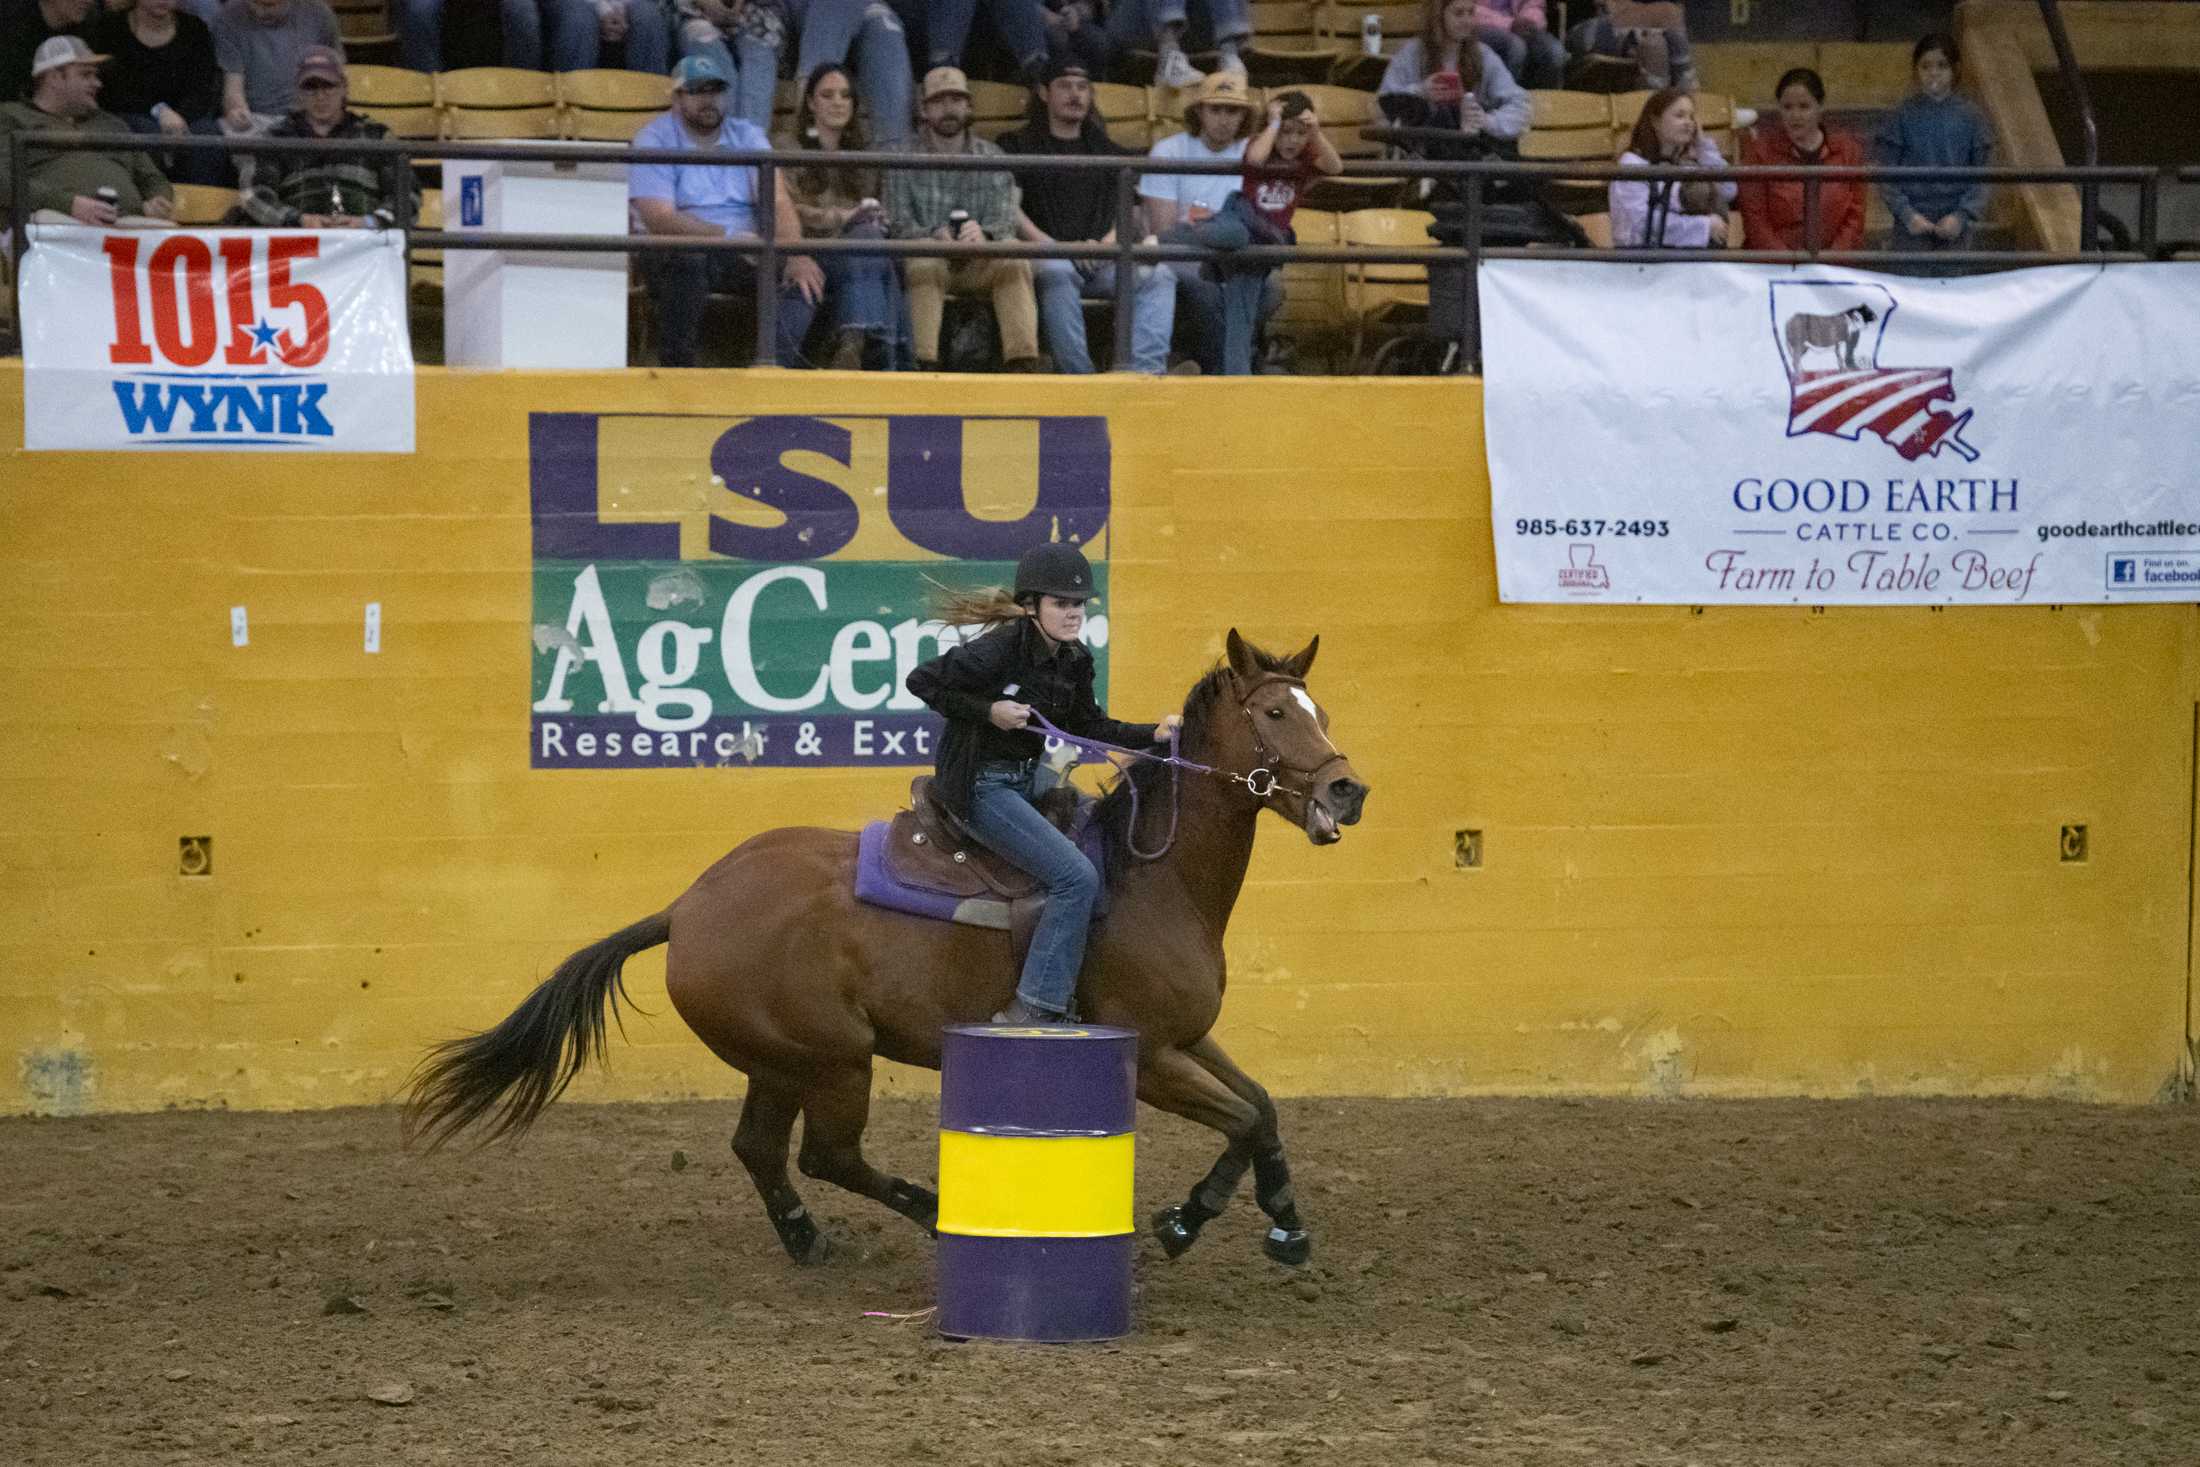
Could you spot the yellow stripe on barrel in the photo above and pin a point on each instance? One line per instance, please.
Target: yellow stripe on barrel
(1035, 1186)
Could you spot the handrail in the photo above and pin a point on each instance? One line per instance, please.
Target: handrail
(2089, 199)
(1128, 251)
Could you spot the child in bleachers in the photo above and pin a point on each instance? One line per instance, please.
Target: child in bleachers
(1670, 214)
(1935, 128)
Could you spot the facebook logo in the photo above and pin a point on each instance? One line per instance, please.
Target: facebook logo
(2123, 571)
(469, 201)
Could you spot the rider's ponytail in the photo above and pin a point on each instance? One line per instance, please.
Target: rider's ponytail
(982, 606)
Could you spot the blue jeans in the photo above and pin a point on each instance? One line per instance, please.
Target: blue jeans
(1002, 815)
(679, 287)
(212, 169)
(863, 290)
(1133, 25)
(866, 35)
(420, 31)
(945, 25)
(755, 75)
(1062, 286)
(576, 38)
(1224, 313)
(1537, 59)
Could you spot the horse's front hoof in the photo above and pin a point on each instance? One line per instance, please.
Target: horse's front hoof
(1174, 1231)
(1288, 1245)
(799, 1235)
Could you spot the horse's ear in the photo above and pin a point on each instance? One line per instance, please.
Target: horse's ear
(1241, 657)
(1303, 661)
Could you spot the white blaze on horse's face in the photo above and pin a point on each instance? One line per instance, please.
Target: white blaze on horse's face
(1313, 711)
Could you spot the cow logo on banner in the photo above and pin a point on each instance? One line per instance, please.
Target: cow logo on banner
(1829, 333)
(216, 340)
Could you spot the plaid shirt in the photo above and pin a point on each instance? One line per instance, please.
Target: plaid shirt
(919, 203)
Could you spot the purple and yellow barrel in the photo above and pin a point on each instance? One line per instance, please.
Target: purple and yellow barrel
(1036, 1230)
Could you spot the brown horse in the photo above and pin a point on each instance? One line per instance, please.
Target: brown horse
(776, 966)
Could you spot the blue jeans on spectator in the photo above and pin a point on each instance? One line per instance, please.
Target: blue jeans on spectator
(1133, 25)
(867, 36)
(679, 286)
(1224, 312)
(195, 166)
(1003, 816)
(1063, 286)
(864, 293)
(945, 25)
(755, 73)
(1537, 59)
(1599, 37)
(420, 30)
(575, 39)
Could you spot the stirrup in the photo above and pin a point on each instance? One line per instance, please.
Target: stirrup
(1021, 1013)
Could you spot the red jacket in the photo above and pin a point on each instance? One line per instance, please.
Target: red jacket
(1772, 212)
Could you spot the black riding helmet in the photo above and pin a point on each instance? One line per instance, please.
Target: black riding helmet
(1054, 570)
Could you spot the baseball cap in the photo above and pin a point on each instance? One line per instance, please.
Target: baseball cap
(320, 61)
(696, 72)
(1062, 64)
(59, 51)
(941, 80)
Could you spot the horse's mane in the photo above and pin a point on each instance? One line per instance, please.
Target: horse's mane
(1112, 816)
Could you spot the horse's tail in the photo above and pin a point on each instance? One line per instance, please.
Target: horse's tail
(526, 1062)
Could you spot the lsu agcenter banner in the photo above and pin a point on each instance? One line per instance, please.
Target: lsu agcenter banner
(742, 591)
(1727, 433)
(221, 339)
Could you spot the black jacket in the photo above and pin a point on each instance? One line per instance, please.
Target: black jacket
(963, 683)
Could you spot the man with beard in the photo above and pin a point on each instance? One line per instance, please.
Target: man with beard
(968, 208)
(326, 190)
(1081, 206)
(713, 201)
(110, 190)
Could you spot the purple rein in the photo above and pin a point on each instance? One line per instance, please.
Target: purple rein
(1102, 747)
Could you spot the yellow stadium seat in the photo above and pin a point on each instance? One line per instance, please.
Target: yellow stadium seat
(198, 203)
(494, 123)
(406, 122)
(1288, 44)
(1569, 110)
(1313, 295)
(994, 105)
(606, 90)
(425, 282)
(388, 86)
(363, 22)
(586, 125)
(1123, 109)
(496, 86)
(1385, 297)
(1344, 111)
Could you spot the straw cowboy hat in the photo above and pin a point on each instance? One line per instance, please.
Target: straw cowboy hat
(1220, 89)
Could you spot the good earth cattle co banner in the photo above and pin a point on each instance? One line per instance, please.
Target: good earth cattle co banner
(222, 339)
(1723, 433)
(714, 590)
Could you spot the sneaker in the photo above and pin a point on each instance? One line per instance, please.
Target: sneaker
(1231, 62)
(1189, 367)
(1176, 70)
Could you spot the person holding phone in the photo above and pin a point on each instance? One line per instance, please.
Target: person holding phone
(1445, 77)
(862, 292)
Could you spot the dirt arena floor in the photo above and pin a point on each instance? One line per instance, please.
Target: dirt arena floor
(1495, 1282)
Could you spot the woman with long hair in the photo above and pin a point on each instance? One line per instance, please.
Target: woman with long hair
(1455, 79)
(1669, 213)
(1027, 661)
(862, 291)
(1798, 135)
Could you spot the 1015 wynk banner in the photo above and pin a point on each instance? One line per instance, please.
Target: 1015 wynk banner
(1713, 433)
(725, 590)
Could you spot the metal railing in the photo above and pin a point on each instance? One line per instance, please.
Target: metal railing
(1472, 178)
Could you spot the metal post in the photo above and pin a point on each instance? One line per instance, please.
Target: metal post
(18, 227)
(1126, 272)
(1470, 320)
(767, 267)
(1810, 217)
(2150, 220)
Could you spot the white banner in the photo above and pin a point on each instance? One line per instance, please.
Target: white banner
(1726, 433)
(216, 339)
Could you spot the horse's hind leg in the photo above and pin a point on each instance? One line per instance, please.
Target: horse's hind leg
(767, 1122)
(834, 1113)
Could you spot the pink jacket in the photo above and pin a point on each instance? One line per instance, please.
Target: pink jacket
(1502, 13)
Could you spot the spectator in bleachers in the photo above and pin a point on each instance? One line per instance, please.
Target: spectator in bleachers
(1458, 79)
(1162, 24)
(867, 36)
(1772, 212)
(1935, 128)
(164, 80)
(1081, 206)
(1519, 32)
(945, 26)
(25, 25)
(1217, 124)
(713, 201)
(325, 190)
(1281, 160)
(1666, 214)
(560, 35)
(1651, 33)
(113, 190)
(863, 292)
(967, 207)
(1076, 30)
(259, 44)
(744, 36)
(420, 29)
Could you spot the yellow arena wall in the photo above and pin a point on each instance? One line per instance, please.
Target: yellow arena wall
(1734, 852)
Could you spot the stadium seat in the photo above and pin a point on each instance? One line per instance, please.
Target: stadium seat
(425, 283)
(1288, 44)
(1313, 295)
(1385, 297)
(203, 204)
(364, 23)
(389, 86)
(585, 125)
(494, 87)
(997, 106)
(1352, 66)
(489, 124)
(607, 90)
(1344, 111)
(1125, 111)
(406, 122)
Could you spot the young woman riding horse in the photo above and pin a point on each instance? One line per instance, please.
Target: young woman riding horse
(991, 769)
(791, 980)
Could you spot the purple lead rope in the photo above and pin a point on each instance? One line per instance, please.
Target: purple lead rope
(1171, 759)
